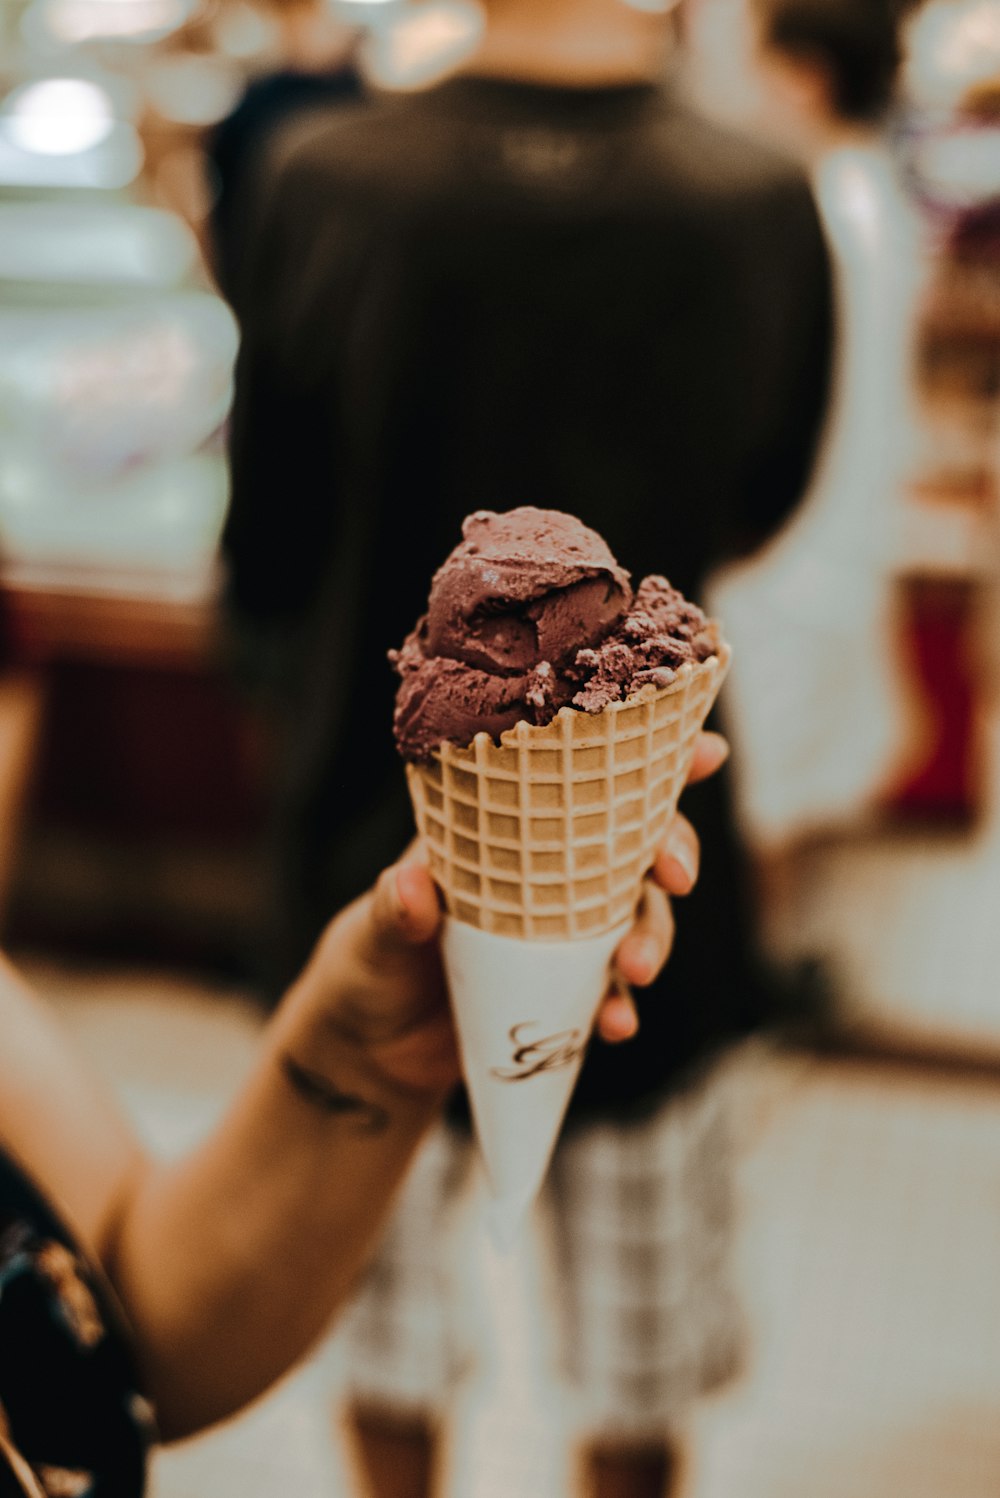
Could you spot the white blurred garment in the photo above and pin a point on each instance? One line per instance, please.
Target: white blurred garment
(813, 700)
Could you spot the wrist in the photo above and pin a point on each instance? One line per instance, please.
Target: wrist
(348, 1099)
(347, 1070)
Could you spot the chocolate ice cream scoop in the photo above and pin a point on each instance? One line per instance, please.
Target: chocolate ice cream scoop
(527, 586)
(529, 614)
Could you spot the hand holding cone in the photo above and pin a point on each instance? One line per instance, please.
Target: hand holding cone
(540, 845)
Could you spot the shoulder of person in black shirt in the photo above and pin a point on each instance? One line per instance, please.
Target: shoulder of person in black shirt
(239, 144)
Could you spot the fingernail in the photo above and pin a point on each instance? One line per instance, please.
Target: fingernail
(681, 852)
(618, 1020)
(646, 957)
(399, 904)
(721, 745)
(626, 1024)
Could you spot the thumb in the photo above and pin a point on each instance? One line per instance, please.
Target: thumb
(710, 753)
(403, 913)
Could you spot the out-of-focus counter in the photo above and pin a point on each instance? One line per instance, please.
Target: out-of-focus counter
(135, 773)
(46, 625)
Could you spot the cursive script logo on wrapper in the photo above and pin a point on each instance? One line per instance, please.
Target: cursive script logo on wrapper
(532, 1057)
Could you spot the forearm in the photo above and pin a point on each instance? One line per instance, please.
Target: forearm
(231, 1262)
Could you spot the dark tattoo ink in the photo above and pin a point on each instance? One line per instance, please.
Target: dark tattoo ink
(370, 1118)
(549, 1053)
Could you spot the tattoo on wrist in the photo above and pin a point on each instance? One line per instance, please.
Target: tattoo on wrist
(369, 1118)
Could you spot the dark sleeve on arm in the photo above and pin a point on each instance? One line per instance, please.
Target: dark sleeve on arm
(789, 378)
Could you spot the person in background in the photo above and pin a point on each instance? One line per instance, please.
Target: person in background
(817, 698)
(539, 281)
(139, 1297)
(318, 68)
(831, 66)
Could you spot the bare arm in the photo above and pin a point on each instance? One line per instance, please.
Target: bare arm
(62, 1126)
(230, 1262)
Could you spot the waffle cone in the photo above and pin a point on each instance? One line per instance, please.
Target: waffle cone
(548, 835)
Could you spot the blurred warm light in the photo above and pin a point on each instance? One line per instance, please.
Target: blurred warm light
(962, 163)
(424, 43)
(951, 46)
(193, 88)
(58, 116)
(75, 21)
(244, 32)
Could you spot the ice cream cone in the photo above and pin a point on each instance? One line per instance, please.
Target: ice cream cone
(524, 1011)
(540, 845)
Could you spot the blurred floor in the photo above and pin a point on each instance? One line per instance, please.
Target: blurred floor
(869, 1252)
(870, 1245)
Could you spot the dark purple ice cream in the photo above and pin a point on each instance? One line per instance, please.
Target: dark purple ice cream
(529, 614)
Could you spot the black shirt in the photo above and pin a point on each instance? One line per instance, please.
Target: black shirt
(71, 1418)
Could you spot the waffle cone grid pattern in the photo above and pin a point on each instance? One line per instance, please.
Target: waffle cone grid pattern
(548, 836)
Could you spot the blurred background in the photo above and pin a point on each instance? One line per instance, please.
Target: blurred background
(134, 772)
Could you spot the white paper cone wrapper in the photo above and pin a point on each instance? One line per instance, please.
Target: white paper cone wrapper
(524, 1012)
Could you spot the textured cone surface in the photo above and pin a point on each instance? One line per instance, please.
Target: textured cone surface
(548, 835)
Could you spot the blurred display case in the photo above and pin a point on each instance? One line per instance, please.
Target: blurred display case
(948, 144)
(124, 752)
(958, 360)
